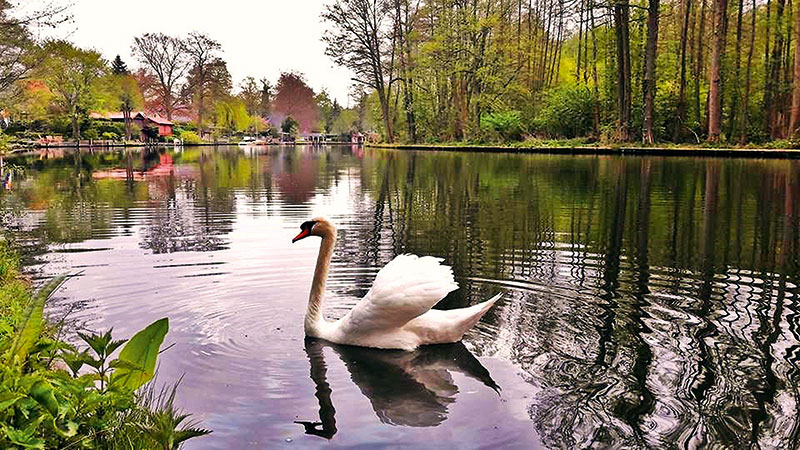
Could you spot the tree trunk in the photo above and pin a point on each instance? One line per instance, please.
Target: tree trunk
(746, 101)
(682, 86)
(76, 129)
(621, 31)
(794, 118)
(720, 11)
(735, 92)
(648, 136)
(699, 61)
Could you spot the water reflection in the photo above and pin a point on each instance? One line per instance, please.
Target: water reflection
(651, 302)
(411, 389)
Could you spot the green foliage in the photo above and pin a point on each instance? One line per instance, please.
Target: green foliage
(507, 125)
(566, 112)
(137, 361)
(289, 125)
(32, 322)
(92, 402)
(190, 137)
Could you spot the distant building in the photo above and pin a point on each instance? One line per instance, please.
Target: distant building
(357, 138)
(141, 119)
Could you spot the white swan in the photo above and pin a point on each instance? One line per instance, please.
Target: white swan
(396, 312)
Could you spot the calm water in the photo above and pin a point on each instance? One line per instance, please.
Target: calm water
(648, 301)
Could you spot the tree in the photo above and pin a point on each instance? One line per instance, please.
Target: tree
(794, 118)
(71, 74)
(650, 70)
(622, 34)
(293, 97)
(265, 105)
(250, 94)
(289, 125)
(328, 110)
(358, 41)
(118, 66)
(207, 86)
(19, 54)
(166, 59)
(720, 12)
(202, 52)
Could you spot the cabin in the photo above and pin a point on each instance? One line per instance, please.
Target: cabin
(141, 119)
(357, 138)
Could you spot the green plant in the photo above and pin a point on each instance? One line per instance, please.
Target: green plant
(567, 112)
(506, 124)
(190, 137)
(92, 400)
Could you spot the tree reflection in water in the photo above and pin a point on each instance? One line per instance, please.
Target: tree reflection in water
(652, 301)
(410, 389)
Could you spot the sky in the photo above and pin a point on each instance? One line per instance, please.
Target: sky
(259, 38)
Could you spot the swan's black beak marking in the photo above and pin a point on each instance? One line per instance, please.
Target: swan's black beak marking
(305, 230)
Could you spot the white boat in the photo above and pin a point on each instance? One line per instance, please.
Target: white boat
(247, 141)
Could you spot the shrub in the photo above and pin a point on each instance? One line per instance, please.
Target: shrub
(507, 125)
(190, 137)
(566, 112)
(90, 402)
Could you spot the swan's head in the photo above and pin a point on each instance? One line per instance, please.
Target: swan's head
(318, 226)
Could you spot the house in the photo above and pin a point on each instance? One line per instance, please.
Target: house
(143, 120)
(357, 138)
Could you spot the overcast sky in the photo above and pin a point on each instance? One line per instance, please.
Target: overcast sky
(259, 38)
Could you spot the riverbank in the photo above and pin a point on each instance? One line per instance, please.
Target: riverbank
(730, 152)
(55, 395)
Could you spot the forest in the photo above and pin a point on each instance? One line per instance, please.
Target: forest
(691, 72)
(673, 71)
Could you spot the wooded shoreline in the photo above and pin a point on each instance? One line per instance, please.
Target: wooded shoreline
(607, 150)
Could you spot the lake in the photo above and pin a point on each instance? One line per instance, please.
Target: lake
(647, 301)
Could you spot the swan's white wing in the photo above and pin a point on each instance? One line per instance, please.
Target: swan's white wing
(405, 288)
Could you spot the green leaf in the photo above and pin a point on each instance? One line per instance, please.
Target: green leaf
(8, 399)
(42, 392)
(32, 321)
(141, 351)
(23, 438)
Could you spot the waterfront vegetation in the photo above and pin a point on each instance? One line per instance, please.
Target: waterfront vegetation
(507, 72)
(55, 393)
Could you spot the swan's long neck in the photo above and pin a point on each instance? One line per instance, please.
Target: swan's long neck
(314, 312)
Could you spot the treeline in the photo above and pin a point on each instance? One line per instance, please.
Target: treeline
(620, 70)
(53, 87)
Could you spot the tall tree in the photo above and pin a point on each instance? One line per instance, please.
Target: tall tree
(250, 94)
(358, 40)
(720, 13)
(650, 70)
(265, 103)
(794, 117)
(18, 52)
(166, 59)
(202, 52)
(622, 34)
(293, 97)
(71, 74)
(118, 66)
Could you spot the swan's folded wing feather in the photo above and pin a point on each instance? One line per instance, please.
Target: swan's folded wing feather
(405, 288)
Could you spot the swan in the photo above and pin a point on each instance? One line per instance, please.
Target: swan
(396, 312)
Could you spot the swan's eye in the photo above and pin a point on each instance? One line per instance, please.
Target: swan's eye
(307, 226)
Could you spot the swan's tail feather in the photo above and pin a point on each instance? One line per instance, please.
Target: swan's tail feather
(471, 315)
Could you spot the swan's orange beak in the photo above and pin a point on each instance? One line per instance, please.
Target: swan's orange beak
(303, 234)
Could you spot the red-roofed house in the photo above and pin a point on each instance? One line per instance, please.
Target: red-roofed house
(140, 118)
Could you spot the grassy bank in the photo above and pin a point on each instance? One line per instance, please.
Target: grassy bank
(54, 394)
(583, 147)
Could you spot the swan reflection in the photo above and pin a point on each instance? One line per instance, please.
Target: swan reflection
(405, 388)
